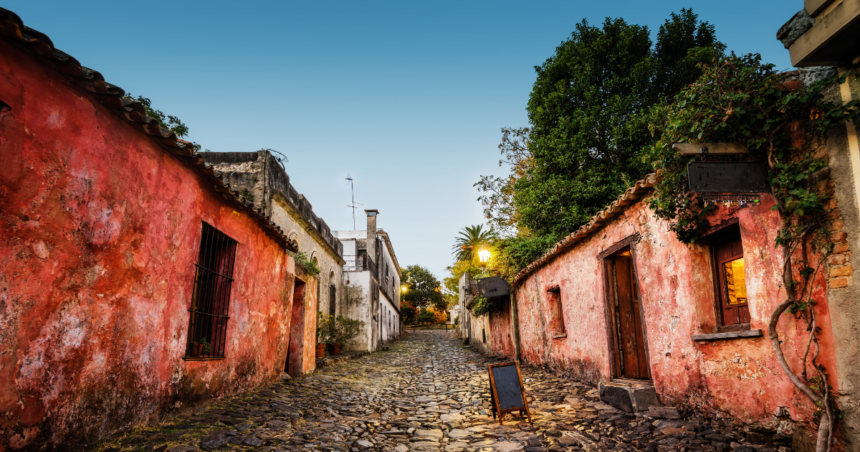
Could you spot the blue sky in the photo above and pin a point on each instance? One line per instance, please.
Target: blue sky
(407, 97)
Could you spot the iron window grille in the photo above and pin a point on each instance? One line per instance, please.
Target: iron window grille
(210, 301)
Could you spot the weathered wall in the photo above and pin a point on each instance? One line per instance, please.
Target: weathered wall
(678, 301)
(265, 180)
(99, 233)
(356, 306)
(843, 293)
(502, 343)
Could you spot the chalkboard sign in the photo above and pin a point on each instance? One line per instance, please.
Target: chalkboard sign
(507, 390)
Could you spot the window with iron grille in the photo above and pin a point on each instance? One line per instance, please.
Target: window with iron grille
(210, 301)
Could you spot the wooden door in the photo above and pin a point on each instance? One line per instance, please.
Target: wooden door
(729, 261)
(294, 363)
(629, 335)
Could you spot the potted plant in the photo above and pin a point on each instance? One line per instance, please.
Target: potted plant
(344, 330)
(324, 327)
(205, 347)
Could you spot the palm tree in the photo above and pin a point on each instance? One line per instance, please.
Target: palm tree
(470, 240)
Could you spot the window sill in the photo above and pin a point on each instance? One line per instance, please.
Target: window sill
(185, 358)
(727, 335)
(559, 336)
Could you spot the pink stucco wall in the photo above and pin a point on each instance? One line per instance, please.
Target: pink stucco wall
(738, 377)
(99, 233)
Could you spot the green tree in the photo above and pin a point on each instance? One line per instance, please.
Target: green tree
(422, 288)
(588, 111)
(498, 197)
(470, 240)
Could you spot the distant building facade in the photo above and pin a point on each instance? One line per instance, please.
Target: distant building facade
(264, 180)
(372, 285)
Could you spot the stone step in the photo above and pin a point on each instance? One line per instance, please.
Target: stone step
(628, 395)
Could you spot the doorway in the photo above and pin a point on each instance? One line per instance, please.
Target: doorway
(627, 331)
(293, 364)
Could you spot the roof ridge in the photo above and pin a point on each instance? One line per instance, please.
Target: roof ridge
(630, 196)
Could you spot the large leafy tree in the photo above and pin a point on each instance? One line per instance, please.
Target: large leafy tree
(422, 288)
(469, 241)
(588, 114)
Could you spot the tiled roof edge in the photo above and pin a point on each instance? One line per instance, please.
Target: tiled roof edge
(633, 195)
(111, 96)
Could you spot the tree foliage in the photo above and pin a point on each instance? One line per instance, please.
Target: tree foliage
(470, 241)
(498, 197)
(422, 288)
(588, 112)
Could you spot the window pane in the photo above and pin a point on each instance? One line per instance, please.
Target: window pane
(736, 285)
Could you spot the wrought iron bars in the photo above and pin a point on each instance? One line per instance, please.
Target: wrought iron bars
(210, 301)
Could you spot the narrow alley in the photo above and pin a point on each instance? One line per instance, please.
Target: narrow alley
(429, 392)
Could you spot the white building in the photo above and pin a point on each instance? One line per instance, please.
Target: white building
(371, 279)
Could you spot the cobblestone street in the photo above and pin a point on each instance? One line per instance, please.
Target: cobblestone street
(428, 392)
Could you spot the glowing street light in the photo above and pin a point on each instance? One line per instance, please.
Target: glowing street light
(484, 256)
(404, 288)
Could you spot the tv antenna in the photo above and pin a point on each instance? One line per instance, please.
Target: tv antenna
(353, 205)
(283, 158)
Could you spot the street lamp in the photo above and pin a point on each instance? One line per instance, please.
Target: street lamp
(404, 289)
(484, 256)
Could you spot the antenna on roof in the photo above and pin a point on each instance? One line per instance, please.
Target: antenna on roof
(353, 205)
(281, 159)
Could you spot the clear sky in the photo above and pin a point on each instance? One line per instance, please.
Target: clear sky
(408, 97)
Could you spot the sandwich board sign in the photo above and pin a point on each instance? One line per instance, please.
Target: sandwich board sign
(507, 390)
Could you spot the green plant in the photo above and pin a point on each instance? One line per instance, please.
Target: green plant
(740, 100)
(247, 194)
(309, 266)
(456, 320)
(482, 305)
(344, 329)
(324, 327)
(207, 347)
(425, 316)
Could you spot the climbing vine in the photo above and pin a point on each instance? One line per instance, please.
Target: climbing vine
(740, 100)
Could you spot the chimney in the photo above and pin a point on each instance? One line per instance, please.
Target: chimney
(371, 233)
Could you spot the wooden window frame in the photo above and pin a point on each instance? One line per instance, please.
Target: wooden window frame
(713, 235)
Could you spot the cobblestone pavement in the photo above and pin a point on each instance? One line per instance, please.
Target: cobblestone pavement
(428, 392)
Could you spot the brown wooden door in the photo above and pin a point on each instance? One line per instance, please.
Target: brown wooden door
(729, 260)
(629, 335)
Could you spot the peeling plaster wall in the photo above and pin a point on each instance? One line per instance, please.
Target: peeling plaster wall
(677, 293)
(356, 306)
(262, 176)
(99, 233)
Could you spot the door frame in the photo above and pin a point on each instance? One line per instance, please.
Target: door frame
(614, 348)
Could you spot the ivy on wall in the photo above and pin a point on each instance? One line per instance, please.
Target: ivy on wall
(740, 100)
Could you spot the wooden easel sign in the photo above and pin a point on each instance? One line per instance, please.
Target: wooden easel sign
(507, 390)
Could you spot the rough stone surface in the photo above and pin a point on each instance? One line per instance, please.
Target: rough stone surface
(372, 403)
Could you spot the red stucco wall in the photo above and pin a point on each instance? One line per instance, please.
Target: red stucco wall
(740, 377)
(99, 233)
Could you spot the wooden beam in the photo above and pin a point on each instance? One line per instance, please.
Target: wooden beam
(710, 148)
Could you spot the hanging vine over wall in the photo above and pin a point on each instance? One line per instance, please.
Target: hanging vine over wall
(740, 100)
